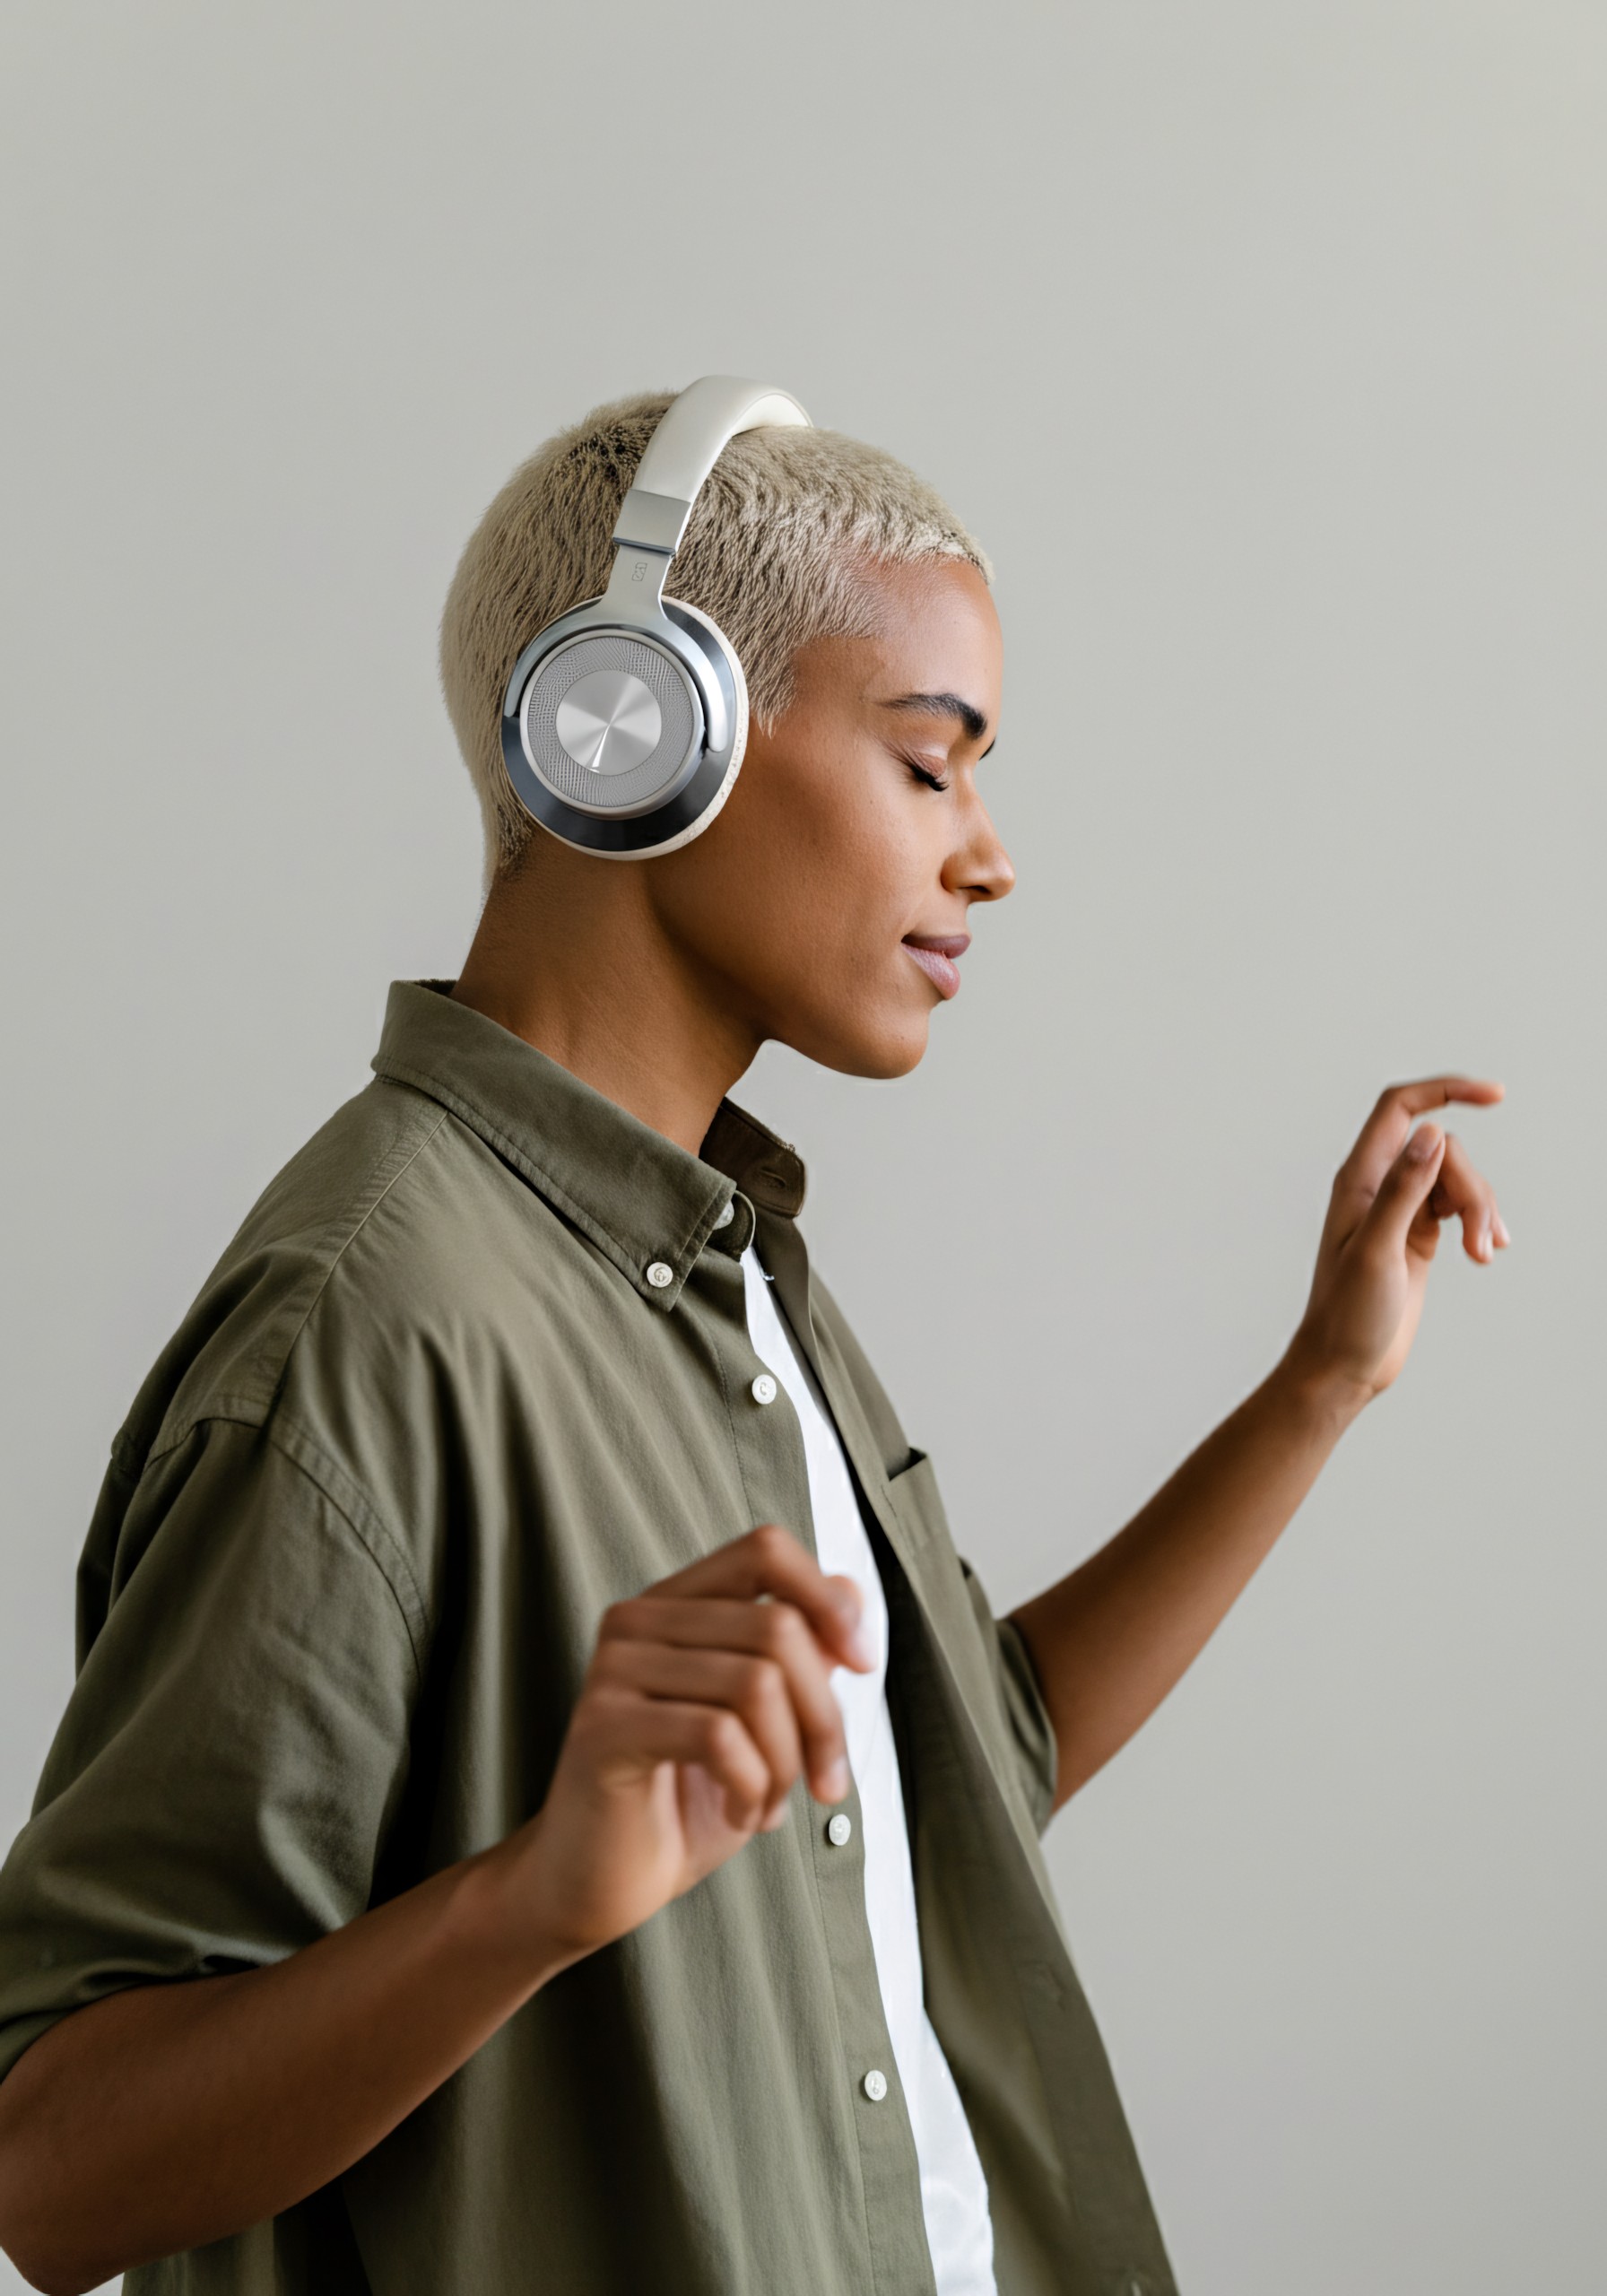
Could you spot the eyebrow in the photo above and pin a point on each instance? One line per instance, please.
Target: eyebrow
(944, 705)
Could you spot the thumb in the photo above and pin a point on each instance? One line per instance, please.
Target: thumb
(1407, 1187)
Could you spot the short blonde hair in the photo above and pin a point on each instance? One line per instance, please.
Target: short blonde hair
(776, 543)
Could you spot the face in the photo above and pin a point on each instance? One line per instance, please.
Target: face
(828, 903)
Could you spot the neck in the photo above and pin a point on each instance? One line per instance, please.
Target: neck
(569, 955)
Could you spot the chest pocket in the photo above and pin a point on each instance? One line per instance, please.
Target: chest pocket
(1003, 1700)
(917, 1502)
(949, 1594)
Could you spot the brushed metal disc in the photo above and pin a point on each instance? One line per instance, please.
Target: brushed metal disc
(609, 722)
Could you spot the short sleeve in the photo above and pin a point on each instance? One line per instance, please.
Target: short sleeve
(1031, 1731)
(222, 1781)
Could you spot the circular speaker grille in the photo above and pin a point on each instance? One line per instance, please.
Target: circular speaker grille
(585, 684)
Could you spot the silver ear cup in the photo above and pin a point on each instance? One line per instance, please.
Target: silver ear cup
(624, 737)
(611, 724)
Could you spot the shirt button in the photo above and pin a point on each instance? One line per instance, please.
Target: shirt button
(660, 1273)
(839, 1829)
(725, 1214)
(875, 2086)
(763, 1389)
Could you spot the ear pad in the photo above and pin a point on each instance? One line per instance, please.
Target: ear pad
(625, 738)
(717, 646)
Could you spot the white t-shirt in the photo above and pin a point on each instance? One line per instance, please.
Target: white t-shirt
(953, 2189)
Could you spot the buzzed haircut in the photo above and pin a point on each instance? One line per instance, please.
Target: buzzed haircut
(778, 543)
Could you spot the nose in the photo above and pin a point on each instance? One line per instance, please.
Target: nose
(979, 867)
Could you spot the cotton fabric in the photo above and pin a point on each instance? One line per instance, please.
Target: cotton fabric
(430, 1413)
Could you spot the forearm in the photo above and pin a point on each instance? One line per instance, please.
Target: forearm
(1110, 1640)
(170, 2115)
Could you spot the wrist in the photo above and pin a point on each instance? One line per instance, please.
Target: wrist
(1323, 1398)
(499, 1907)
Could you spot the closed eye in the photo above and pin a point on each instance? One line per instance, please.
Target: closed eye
(923, 773)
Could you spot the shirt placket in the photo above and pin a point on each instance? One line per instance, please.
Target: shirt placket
(770, 1453)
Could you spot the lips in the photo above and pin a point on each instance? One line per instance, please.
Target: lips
(936, 954)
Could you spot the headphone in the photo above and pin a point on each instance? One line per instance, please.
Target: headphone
(624, 722)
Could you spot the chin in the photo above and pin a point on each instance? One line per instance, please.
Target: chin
(878, 1053)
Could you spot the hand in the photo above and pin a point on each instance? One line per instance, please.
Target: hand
(706, 1697)
(1382, 1226)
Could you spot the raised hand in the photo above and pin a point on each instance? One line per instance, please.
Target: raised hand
(1389, 1197)
(707, 1696)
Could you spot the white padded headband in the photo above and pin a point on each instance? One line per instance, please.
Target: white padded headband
(692, 433)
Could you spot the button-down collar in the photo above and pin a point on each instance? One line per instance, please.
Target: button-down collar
(645, 1203)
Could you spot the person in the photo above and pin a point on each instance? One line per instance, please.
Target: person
(542, 1805)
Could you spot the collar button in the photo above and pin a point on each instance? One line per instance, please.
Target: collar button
(660, 1274)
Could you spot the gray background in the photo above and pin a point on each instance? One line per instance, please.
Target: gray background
(1264, 345)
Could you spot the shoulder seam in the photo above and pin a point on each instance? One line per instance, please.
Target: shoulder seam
(253, 1405)
(404, 1164)
(337, 1487)
(368, 1526)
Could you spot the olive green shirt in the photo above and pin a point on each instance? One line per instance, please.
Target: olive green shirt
(476, 1366)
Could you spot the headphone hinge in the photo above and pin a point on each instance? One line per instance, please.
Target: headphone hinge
(636, 583)
(655, 521)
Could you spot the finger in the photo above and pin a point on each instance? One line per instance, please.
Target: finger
(752, 1687)
(625, 1731)
(769, 1561)
(772, 1632)
(1461, 1193)
(1406, 1189)
(1384, 1134)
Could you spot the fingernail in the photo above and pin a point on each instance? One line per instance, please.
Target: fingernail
(777, 1819)
(1502, 1234)
(835, 1780)
(1422, 1143)
(850, 1609)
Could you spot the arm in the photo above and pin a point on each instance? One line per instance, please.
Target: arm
(1110, 1640)
(220, 2102)
(215, 2102)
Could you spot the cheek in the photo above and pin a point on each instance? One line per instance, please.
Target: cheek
(801, 889)
(847, 869)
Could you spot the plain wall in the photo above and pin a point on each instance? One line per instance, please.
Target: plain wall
(1264, 346)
